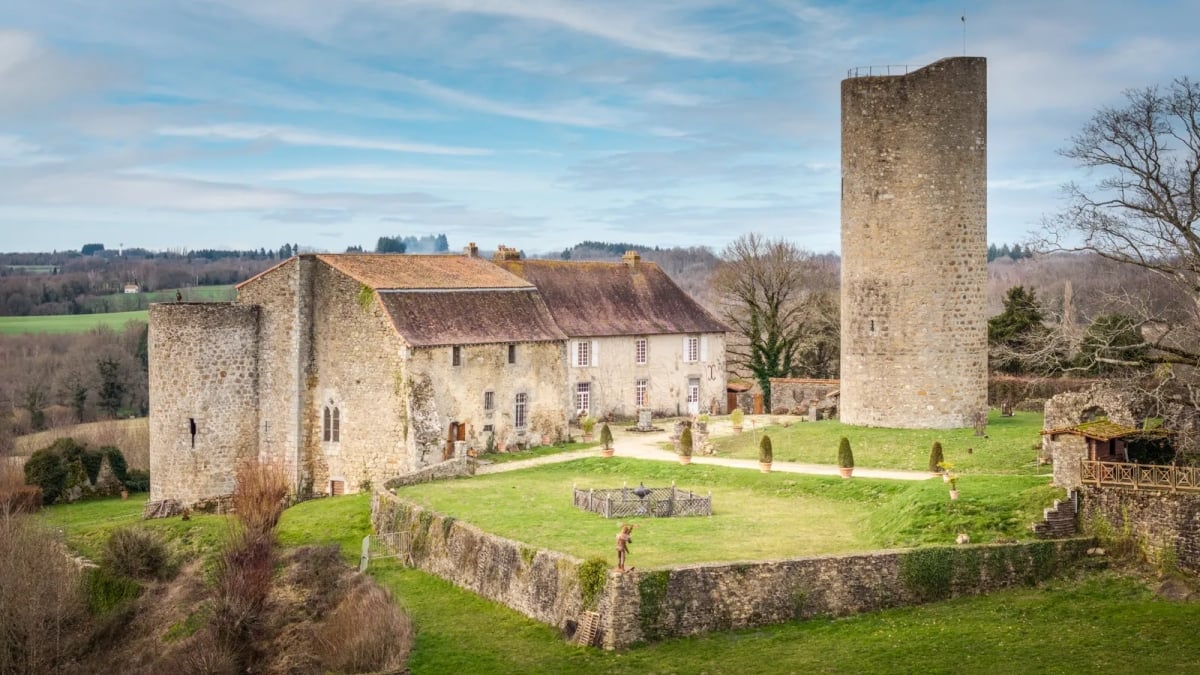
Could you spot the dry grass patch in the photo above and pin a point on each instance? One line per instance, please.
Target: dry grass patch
(131, 437)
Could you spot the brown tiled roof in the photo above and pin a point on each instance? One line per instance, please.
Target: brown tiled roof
(383, 271)
(458, 317)
(604, 298)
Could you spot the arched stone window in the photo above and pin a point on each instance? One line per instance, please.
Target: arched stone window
(331, 422)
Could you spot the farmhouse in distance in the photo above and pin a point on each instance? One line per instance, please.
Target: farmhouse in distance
(352, 369)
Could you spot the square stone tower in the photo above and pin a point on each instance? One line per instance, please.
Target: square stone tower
(914, 246)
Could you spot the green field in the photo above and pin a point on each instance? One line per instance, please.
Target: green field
(1101, 621)
(127, 302)
(755, 516)
(1006, 449)
(67, 323)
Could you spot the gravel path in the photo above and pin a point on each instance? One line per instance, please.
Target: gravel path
(650, 446)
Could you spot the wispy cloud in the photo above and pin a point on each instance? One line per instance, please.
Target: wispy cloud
(293, 136)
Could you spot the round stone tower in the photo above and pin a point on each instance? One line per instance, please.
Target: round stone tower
(914, 246)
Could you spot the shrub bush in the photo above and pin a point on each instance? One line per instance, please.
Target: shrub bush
(765, 453)
(845, 455)
(138, 481)
(116, 462)
(736, 417)
(936, 457)
(46, 469)
(137, 553)
(260, 495)
(685, 442)
(22, 499)
(606, 437)
(366, 633)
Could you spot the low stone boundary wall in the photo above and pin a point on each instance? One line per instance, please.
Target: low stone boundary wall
(543, 585)
(458, 467)
(1165, 524)
(646, 606)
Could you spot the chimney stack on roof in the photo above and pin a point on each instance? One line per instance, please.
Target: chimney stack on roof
(632, 259)
(506, 253)
(471, 251)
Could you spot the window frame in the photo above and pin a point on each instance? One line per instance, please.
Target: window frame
(489, 401)
(641, 351)
(512, 353)
(520, 410)
(641, 391)
(583, 354)
(692, 349)
(456, 355)
(583, 394)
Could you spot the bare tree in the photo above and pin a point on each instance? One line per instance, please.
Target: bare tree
(781, 302)
(1141, 211)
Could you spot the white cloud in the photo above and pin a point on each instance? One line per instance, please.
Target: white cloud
(294, 136)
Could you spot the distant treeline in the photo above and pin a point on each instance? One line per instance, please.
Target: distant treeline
(430, 243)
(603, 247)
(1005, 251)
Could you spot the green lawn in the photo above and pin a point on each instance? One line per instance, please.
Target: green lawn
(1101, 622)
(124, 302)
(1006, 449)
(67, 323)
(755, 516)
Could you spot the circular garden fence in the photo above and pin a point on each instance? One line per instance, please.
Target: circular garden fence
(660, 502)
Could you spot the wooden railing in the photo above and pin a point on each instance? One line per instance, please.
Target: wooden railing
(1141, 476)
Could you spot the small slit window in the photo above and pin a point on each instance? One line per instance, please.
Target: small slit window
(512, 353)
(489, 401)
(456, 356)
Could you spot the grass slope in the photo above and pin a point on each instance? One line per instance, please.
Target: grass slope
(125, 302)
(67, 323)
(1007, 448)
(1100, 623)
(755, 516)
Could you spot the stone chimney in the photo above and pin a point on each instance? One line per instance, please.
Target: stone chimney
(506, 253)
(631, 258)
(471, 251)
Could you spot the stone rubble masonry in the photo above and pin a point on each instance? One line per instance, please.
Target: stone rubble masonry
(1164, 523)
(914, 247)
(1067, 451)
(652, 605)
(543, 585)
(205, 369)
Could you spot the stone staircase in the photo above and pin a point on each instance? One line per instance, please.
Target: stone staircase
(1058, 521)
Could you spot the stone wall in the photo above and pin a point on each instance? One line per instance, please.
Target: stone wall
(543, 585)
(796, 394)
(614, 373)
(1163, 523)
(203, 378)
(914, 240)
(283, 294)
(443, 394)
(1066, 451)
(358, 367)
(459, 467)
(645, 606)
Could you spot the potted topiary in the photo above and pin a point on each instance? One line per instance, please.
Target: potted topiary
(606, 440)
(735, 418)
(685, 446)
(953, 485)
(845, 458)
(936, 457)
(587, 423)
(765, 454)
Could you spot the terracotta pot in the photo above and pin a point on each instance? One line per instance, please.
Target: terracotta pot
(764, 467)
(685, 459)
(945, 478)
(737, 430)
(954, 494)
(607, 452)
(124, 495)
(846, 471)
(587, 438)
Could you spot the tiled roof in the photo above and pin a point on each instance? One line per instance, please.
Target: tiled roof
(383, 271)
(457, 317)
(605, 298)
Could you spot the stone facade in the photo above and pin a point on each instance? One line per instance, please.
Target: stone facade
(914, 240)
(1066, 451)
(1165, 524)
(651, 605)
(613, 374)
(350, 370)
(204, 397)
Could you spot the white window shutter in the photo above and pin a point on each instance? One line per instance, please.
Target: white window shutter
(704, 348)
(685, 349)
(595, 353)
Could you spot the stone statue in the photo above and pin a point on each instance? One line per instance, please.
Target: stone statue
(624, 538)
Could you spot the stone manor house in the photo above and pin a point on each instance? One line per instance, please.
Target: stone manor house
(356, 368)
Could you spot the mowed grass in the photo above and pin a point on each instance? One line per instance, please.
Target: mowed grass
(755, 516)
(68, 323)
(1098, 622)
(124, 302)
(1006, 449)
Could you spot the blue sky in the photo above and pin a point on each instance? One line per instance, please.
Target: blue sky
(536, 124)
